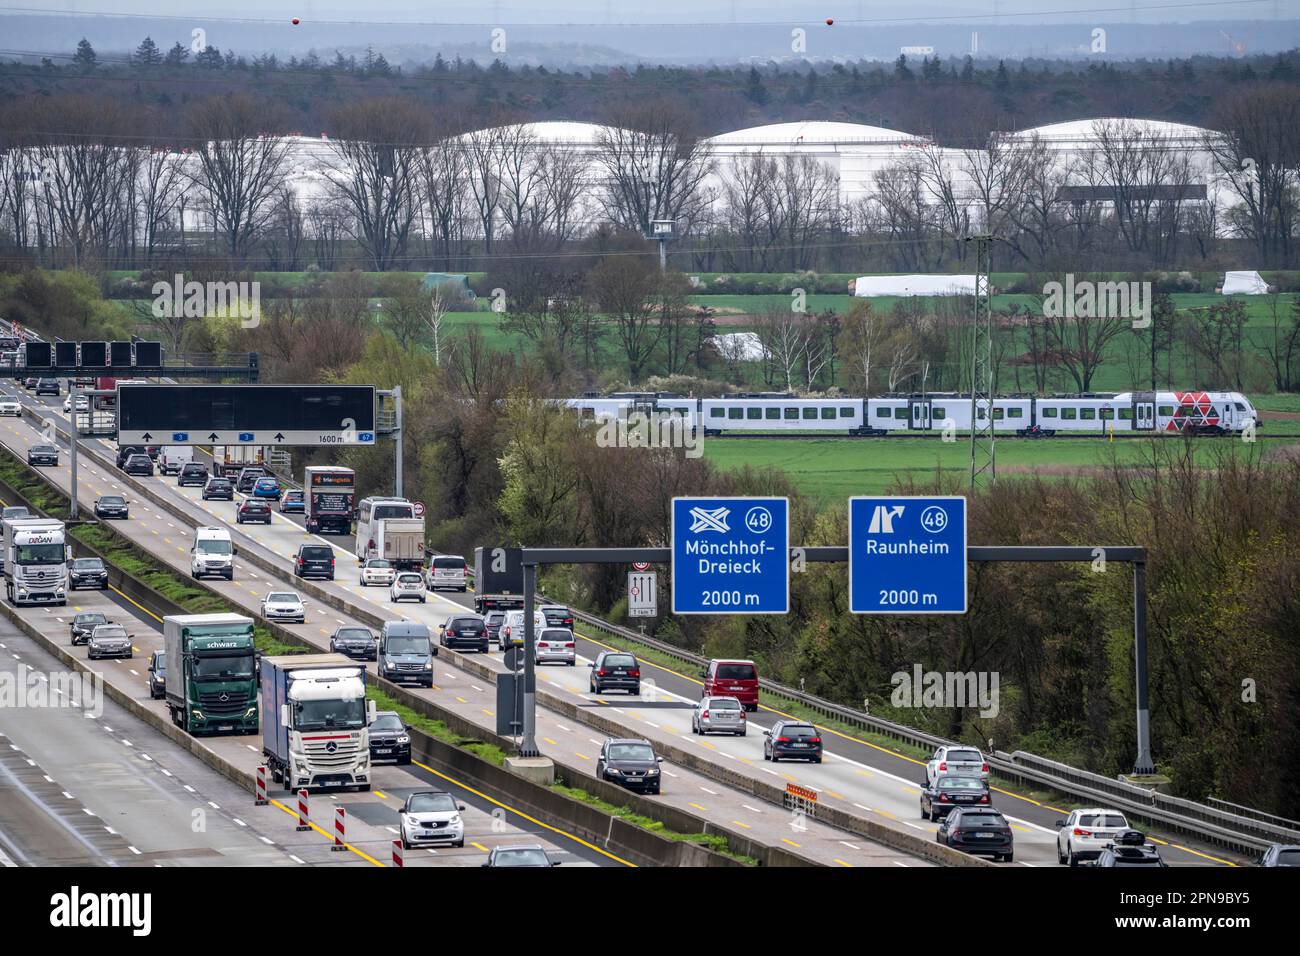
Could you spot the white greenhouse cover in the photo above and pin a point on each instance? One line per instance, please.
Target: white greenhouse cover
(1244, 283)
(739, 346)
(914, 285)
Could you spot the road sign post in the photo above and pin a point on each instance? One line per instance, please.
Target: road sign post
(907, 555)
(642, 594)
(731, 556)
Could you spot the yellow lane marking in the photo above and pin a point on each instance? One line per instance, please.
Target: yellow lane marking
(329, 836)
(380, 794)
(791, 842)
(550, 741)
(478, 846)
(842, 863)
(740, 824)
(698, 807)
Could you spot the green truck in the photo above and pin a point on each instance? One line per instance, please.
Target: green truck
(211, 682)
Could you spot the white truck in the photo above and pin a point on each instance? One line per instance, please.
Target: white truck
(227, 460)
(35, 561)
(315, 721)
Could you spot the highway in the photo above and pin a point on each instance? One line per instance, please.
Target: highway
(858, 776)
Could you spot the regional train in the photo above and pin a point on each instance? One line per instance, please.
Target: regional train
(1198, 413)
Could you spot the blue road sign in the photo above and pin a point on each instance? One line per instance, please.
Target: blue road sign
(246, 436)
(180, 436)
(907, 555)
(731, 556)
(366, 438)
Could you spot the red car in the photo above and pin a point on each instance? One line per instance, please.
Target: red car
(737, 679)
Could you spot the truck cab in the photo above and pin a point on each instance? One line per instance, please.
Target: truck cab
(315, 733)
(212, 683)
(35, 561)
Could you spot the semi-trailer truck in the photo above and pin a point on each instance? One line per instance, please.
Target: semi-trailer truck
(211, 675)
(315, 722)
(329, 499)
(498, 580)
(35, 561)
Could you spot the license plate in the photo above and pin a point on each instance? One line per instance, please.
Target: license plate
(800, 745)
(384, 750)
(985, 836)
(225, 726)
(333, 783)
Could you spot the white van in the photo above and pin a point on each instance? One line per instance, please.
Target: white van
(213, 553)
(448, 571)
(172, 458)
(511, 631)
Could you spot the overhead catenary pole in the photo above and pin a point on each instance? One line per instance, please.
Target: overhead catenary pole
(982, 459)
(528, 746)
(397, 441)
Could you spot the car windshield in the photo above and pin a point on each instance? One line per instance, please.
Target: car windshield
(112, 500)
(392, 511)
(408, 645)
(530, 857)
(331, 714)
(292, 494)
(137, 460)
(214, 546)
(87, 564)
(631, 752)
(960, 783)
(224, 667)
(355, 634)
(43, 449)
(724, 703)
(432, 803)
(110, 631)
(218, 483)
(1288, 858)
(91, 617)
(964, 756)
(736, 672)
(160, 662)
(387, 722)
(266, 482)
(379, 564)
(282, 597)
(1107, 820)
(556, 614)
(16, 512)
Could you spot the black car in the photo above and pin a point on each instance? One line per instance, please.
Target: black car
(390, 739)
(248, 477)
(47, 386)
(111, 506)
(139, 465)
(977, 830)
(558, 617)
(253, 509)
(615, 670)
(30, 383)
(492, 623)
(87, 573)
(293, 502)
(1280, 854)
(464, 630)
(158, 675)
(219, 488)
(354, 641)
(948, 793)
(84, 623)
(792, 738)
(126, 451)
(312, 560)
(42, 455)
(630, 763)
(192, 473)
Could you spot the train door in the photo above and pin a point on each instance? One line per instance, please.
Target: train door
(1144, 411)
(918, 413)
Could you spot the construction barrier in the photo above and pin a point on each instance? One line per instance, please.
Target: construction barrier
(340, 823)
(303, 819)
(259, 795)
(397, 853)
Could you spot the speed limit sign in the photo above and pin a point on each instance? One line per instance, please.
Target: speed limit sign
(418, 508)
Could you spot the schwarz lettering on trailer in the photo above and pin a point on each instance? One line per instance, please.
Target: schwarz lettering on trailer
(757, 549)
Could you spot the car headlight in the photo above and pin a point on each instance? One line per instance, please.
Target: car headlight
(652, 771)
(403, 740)
(614, 770)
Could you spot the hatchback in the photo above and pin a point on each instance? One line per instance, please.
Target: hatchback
(630, 763)
(140, 465)
(792, 738)
(252, 509)
(430, 818)
(219, 488)
(268, 488)
(192, 473)
(354, 641)
(377, 571)
(464, 630)
(407, 586)
(615, 670)
(109, 640)
(721, 715)
(951, 792)
(978, 830)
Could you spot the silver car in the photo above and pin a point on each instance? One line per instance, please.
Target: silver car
(377, 571)
(555, 645)
(284, 606)
(720, 715)
(957, 762)
(109, 640)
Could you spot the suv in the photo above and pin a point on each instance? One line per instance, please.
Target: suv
(406, 653)
(253, 509)
(956, 762)
(554, 645)
(248, 477)
(314, 559)
(615, 670)
(977, 830)
(464, 630)
(390, 739)
(87, 573)
(557, 615)
(47, 386)
(727, 678)
(192, 473)
(792, 738)
(1085, 833)
(630, 763)
(219, 488)
(139, 465)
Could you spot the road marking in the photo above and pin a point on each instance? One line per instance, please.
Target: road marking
(751, 809)
(791, 842)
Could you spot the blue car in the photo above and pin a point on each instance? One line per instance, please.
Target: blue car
(267, 488)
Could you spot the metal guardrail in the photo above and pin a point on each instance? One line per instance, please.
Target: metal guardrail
(1255, 814)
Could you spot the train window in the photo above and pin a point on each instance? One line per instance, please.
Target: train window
(810, 413)
(735, 413)
(1088, 413)
(754, 414)
(1015, 413)
(772, 414)
(1048, 412)
(937, 413)
(830, 413)
(980, 413)
(884, 412)
(1166, 411)
(998, 414)
(1069, 413)
(1240, 407)
(1107, 414)
(716, 412)
(848, 412)
(1126, 414)
(792, 414)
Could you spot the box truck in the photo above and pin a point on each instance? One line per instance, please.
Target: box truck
(315, 720)
(211, 679)
(329, 498)
(498, 580)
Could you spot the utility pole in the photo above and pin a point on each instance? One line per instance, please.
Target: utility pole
(397, 438)
(982, 459)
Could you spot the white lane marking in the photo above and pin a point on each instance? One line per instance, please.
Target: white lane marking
(751, 809)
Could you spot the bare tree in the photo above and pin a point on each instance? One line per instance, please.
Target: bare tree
(623, 287)
(784, 334)
(445, 175)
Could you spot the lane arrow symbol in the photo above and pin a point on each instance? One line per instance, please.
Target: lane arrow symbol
(146, 436)
(279, 436)
(213, 437)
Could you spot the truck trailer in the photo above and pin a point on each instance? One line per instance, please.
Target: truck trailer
(329, 499)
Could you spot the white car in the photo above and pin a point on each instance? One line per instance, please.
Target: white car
(555, 645)
(956, 762)
(10, 406)
(511, 631)
(284, 606)
(1085, 833)
(377, 571)
(407, 585)
(82, 404)
(431, 817)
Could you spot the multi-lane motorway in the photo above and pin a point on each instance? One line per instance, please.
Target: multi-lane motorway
(859, 777)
